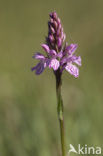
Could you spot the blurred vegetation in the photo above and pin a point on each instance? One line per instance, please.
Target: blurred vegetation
(28, 116)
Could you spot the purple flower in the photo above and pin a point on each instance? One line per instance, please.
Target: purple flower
(59, 55)
(49, 61)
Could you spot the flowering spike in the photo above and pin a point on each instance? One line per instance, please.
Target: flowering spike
(60, 55)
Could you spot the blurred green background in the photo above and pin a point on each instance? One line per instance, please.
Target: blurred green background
(28, 115)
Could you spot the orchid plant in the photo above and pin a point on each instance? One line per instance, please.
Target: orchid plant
(59, 56)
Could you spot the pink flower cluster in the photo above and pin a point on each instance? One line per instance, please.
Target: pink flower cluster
(59, 55)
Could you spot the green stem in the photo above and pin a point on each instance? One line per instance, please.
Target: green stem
(60, 109)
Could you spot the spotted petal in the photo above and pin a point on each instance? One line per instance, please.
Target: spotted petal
(54, 64)
(72, 69)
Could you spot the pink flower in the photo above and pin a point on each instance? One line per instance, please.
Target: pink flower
(58, 55)
(49, 61)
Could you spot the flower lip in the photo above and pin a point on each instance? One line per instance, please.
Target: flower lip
(54, 64)
(72, 69)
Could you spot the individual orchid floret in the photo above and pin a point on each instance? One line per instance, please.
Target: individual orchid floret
(59, 55)
(46, 61)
